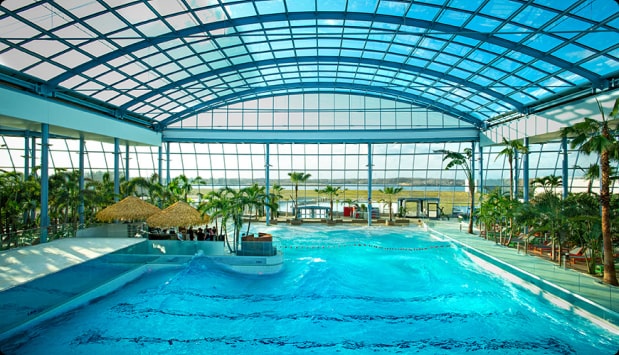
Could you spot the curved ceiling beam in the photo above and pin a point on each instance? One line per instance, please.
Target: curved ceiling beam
(355, 16)
(344, 87)
(326, 59)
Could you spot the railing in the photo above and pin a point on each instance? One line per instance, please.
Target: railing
(27, 237)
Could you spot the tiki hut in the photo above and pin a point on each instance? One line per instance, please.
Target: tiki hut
(179, 214)
(130, 209)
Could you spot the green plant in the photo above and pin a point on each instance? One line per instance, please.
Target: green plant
(594, 137)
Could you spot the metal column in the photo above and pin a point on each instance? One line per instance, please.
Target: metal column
(369, 184)
(267, 169)
(525, 172)
(44, 224)
(116, 168)
(80, 209)
(565, 170)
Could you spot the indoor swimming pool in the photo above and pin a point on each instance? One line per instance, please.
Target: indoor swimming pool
(341, 290)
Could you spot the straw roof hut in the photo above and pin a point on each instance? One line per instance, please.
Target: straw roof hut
(179, 214)
(129, 209)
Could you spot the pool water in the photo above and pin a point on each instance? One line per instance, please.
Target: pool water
(359, 290)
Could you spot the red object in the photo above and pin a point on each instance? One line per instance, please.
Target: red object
(348, 211)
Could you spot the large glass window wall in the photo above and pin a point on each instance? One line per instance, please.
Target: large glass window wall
(417, 168)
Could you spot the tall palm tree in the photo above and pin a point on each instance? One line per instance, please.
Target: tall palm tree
(463, 160)
(593, 136)
(254, 199)
(296, 178)
(391, 192)
(274, 197)
(511, 149)
(180, 187)
(332, 192)
(198, 181)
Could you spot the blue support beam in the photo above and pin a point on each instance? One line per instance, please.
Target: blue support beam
(433, 135)
(116, 168)
(44, 220)
(370, 184)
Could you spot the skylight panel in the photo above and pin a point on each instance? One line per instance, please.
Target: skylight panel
(602, 65)
(46, 16)
(417, 62)
(599, 40)
(284, 54)
(300, 6)
(392, 8)
(136, 13)
(454, 18)
(219, 64)
(241, 59)
(17, 59)
(270, 7)
(513, 33)
(483, 24)
(45, 48)
(180, 21)
(395, 58)
(238, 10)
(261, 56)
(446, 59)
(469, 65)
(72, 59)
(530, 73)
(310, 52)
(210, 15)
(330, 5)
(362, 6)
(573, 53)
(106, 23)
(441, 68)
(423, 12)
(45, 71)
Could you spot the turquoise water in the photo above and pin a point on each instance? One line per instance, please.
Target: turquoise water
(364, 290)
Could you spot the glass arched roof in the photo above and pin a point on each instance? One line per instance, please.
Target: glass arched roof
(160, 62)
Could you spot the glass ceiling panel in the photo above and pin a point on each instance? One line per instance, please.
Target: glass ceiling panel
(444, 54)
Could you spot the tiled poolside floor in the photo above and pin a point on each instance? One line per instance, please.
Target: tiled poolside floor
(573, 281)
(18, 266)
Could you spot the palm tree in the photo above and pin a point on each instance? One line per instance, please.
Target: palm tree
(548, 183)
(296, 178)
(332, 192)
(254, 198)
(463, 160)
(583, 216)
(390, 192)
(510, 150)
(199, 181)
(180, 187)
(592, 136)
(10, 186)
(274, 197)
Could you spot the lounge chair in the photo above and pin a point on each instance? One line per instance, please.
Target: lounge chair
(581, 256)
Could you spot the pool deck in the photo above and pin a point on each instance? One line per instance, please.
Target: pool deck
(578, 288)
(21, 265)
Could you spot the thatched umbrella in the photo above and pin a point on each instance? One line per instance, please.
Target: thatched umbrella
(129, 209)
(179, 214)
